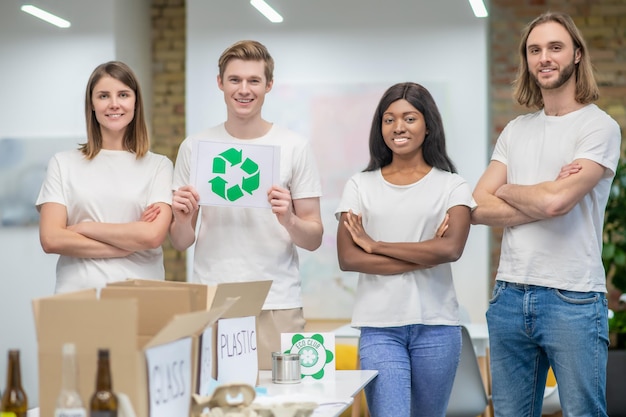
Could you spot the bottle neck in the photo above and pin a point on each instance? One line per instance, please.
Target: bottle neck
(69, 379)
(103, 379)
(14, 373)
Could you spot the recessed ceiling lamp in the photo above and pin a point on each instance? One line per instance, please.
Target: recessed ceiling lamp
(478, 7)
(45, 16)
(267, 11)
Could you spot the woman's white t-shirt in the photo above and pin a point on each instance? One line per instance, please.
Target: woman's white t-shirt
(113, 187)
(405, 213)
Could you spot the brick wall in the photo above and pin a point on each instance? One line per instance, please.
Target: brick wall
(168, 107)
(603, 23)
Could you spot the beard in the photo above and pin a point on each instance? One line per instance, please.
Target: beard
(565, 74)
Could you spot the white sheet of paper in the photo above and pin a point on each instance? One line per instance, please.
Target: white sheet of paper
(234, 174)
(207, 383)
(169, 383)
(237, 359)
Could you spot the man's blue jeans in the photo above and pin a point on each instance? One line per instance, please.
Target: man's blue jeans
(416, 366)
(532, 328)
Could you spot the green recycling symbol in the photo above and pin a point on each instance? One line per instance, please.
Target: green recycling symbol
(250, 181)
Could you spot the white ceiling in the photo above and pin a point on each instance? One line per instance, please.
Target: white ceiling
(86, 16)
(89, 16)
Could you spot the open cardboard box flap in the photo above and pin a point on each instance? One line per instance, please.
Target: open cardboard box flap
(251, 297)
(251, 294)
(189, 324)
(200, 294)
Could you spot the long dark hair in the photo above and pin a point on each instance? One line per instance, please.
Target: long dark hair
(434, 147)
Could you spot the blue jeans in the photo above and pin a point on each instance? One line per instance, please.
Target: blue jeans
(416, 365)
(532, 328)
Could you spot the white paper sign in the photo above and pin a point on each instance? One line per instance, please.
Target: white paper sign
(237, 359)
(317, 353)
(234, 174)
(207, 383)
(169, 378)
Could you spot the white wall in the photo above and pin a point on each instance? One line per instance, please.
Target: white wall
(432, 53)
(43, 76)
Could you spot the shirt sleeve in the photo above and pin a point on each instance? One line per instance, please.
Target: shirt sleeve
(52, 188)
(182, 168)
(161, 186)
(600, 142)
(350, 198)
(305, 182)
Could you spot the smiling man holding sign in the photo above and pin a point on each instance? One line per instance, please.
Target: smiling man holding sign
(238, 240)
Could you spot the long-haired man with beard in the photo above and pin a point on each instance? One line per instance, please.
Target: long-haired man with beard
(547, 186)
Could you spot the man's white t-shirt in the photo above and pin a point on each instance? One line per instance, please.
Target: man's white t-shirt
(563, 252)
(237, 244)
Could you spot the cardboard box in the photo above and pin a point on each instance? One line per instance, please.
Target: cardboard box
(129, 318)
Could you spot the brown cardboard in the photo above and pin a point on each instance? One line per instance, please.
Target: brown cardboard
(202, 294)
(128, 318)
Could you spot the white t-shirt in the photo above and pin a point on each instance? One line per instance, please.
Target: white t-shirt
(405, 213)
(237, 244)
(563, 252)
(114, 187)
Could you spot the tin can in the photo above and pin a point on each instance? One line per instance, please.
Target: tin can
(285, 368)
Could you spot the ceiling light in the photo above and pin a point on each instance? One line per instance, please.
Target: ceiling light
(478, 7)
(44, 15)
(267, 11)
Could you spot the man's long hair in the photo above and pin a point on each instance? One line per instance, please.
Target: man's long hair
(527, 92)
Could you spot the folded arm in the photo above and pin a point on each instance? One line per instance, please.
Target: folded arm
(55, 237)
(553, 198)
(492, 210)
(132, 236)
(359, 252)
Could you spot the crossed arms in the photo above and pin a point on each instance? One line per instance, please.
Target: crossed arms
(503, 205)
(102, 240)
(357, 251)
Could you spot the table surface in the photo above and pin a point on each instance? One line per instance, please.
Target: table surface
(333, 395)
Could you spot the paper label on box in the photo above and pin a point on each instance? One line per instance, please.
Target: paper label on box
(229, 175)
(316, 350)
(207, 383)
(237, 359)
(169, 383)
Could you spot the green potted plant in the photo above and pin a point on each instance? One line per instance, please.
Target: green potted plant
(614, 259)
(614, 255)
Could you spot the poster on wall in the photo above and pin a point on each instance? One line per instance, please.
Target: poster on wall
(337, 119)
(23, 164)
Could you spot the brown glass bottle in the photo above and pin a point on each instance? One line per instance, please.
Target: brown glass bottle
(103, 401)
(14, 400)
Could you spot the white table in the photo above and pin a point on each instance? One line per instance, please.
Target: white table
(333, 395)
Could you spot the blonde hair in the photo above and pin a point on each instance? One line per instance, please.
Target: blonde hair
(136, 138)
(248, 50)
(527, 93)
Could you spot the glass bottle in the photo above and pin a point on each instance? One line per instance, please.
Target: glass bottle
(69, 402)
(103, 401)
(14, 400)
